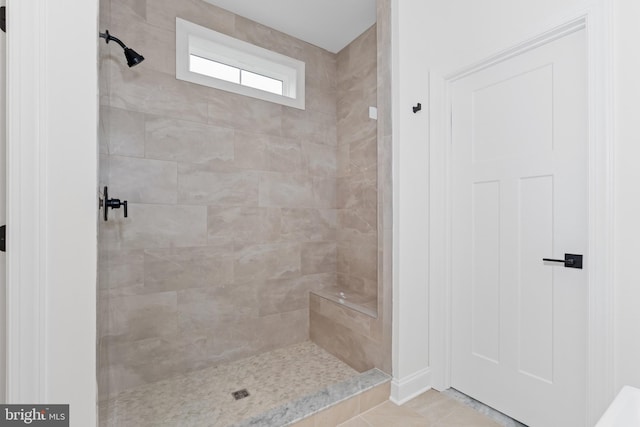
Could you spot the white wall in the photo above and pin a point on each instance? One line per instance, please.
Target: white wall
(445, 36)
(627, 236)
(411, 209)
(72, 109)
(52, 204)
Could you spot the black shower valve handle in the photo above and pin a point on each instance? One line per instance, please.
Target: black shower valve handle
(114, 204)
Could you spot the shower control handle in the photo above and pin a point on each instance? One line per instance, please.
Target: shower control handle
(113, 204)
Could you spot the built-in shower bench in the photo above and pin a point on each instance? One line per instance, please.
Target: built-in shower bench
(360, 302)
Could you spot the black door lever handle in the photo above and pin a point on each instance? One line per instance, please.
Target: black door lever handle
(569, 261)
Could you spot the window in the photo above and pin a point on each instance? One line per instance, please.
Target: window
(213, 59)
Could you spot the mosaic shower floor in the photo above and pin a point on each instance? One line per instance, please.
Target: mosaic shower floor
(204, 397)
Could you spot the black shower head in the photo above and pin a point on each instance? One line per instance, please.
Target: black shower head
(133, 58)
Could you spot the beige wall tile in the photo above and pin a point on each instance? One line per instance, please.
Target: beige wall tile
(125, 132)
(363, 154)
(132, 363)
(154, 92)
(200, 308)
(324, 193)
(163, 13)
(143, 180)
(157, 45)
(245, 113)
(321, 98)
(278, 330)
(268, 38)
(353, 320)
(267, 152)
(244, 224)
(354, 123)
(121, 268)
(319, 160)
(309, 224)
(266, 261)
(157, 226)
(358, 351)
(321, 67)
(318, 257)
(286, 190)
(316, 127)
(284, 295)
(180, 268)
(200, 185)
(189, 142)
(135, 10)
(357, 222)
(138, 317)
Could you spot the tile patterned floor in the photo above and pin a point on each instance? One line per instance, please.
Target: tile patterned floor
(431, 409)
(203, 398)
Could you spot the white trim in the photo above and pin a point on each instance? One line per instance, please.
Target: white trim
(405, 389)
(600, 374)
(600, 379)
(26, 202)
(201, 41)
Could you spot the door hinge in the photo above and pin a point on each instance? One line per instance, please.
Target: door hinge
(3, 238)
(3, 18)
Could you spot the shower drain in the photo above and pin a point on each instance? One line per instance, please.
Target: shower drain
(240, 394)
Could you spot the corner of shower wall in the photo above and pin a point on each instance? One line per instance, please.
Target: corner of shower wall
(353, 321)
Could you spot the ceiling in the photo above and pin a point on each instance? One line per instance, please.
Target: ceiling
(329, 24)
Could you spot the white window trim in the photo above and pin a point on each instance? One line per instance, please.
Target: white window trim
(201, 41)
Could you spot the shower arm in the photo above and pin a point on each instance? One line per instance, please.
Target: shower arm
(108, 37)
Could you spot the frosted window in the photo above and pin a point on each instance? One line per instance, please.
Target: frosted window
(214, 69)
(261, 82)
(209, 58)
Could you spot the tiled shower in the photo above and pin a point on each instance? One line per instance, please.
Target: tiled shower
(251, 226)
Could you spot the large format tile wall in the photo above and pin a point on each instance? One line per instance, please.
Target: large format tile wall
(352, 336)
(232, 202)
(357, 165)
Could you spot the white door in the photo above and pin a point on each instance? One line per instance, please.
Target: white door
(519, 183)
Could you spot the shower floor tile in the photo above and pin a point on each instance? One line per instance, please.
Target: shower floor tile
(204, 397)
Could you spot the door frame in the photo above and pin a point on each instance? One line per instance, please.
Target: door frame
(52, 204)
(597, 22)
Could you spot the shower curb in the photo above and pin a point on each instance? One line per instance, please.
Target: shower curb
(311, 404)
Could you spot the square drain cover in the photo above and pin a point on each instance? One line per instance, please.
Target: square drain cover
(240, 394)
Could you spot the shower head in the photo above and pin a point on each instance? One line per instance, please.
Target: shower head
(133, 57)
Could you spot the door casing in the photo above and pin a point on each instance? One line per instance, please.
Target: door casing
(597, 22)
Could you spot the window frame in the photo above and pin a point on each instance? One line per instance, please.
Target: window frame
(209, 44)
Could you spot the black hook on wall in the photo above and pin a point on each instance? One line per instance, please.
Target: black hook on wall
(417, 108)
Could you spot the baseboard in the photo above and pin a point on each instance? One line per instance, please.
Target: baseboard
(405, 389)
